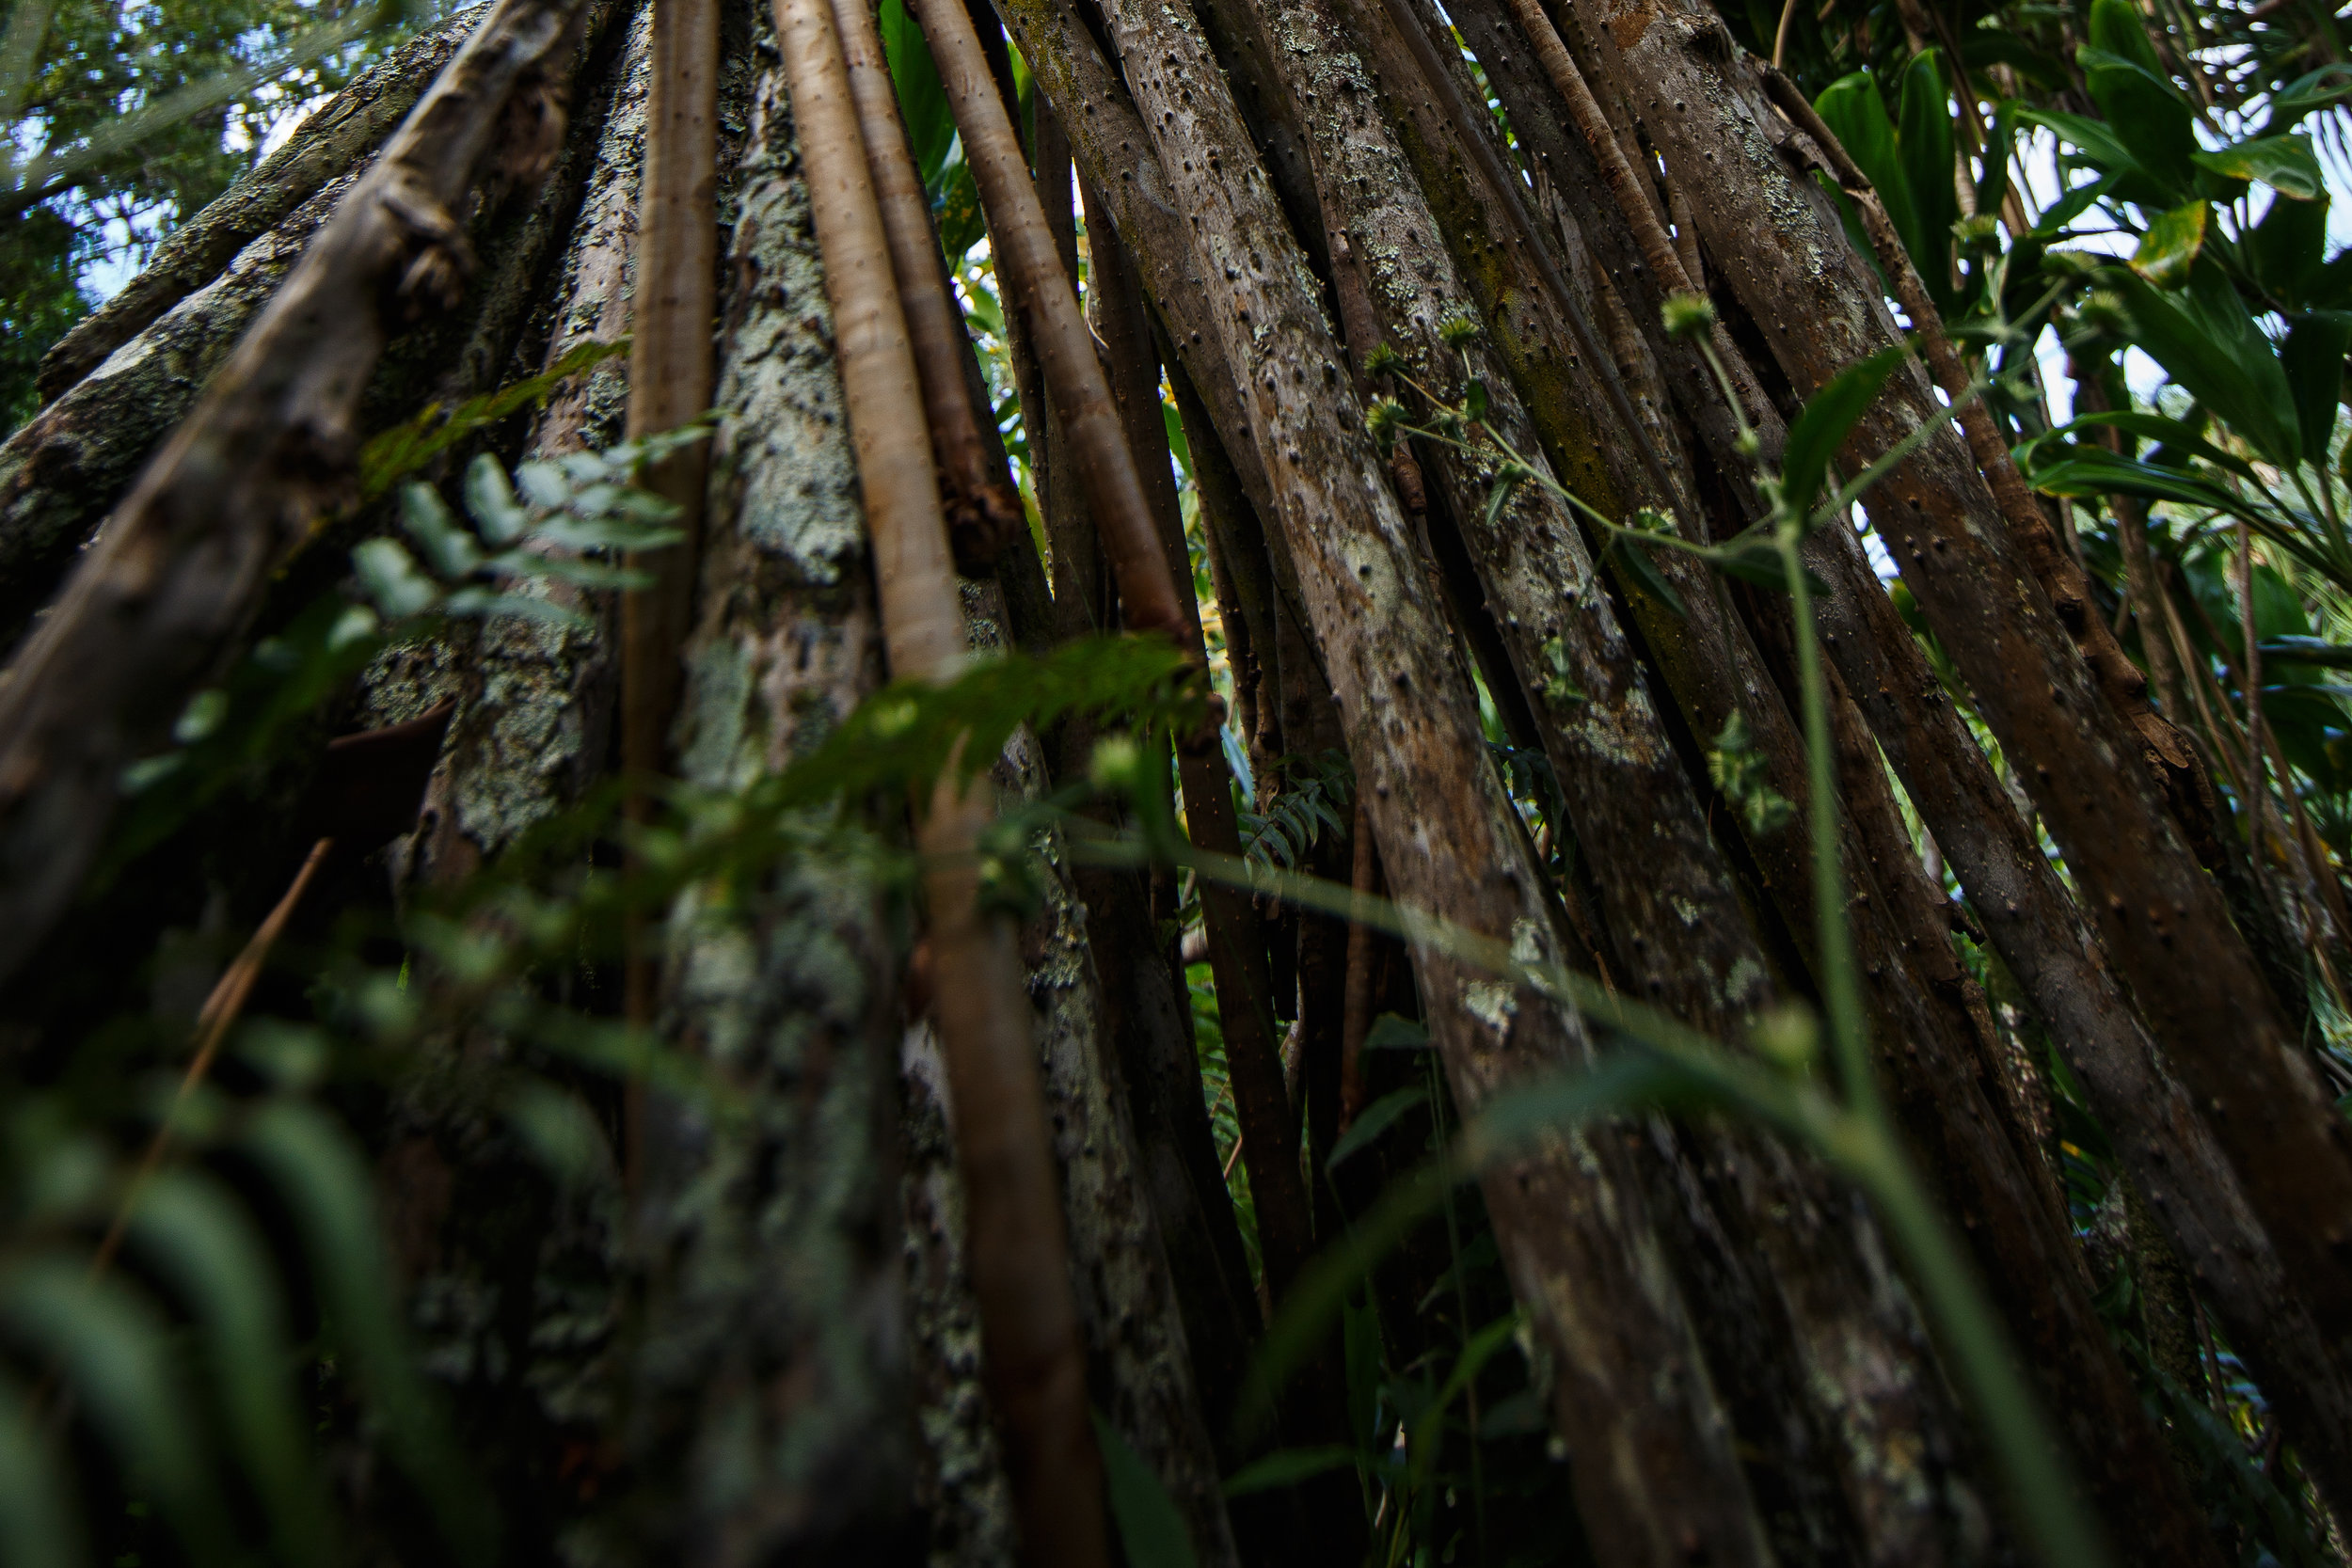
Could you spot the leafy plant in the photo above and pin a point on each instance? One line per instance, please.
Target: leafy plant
(1308, 791)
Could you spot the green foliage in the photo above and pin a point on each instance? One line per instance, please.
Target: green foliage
(41, 298)
(931, 132)
(1151, 1530)
(542, 527)
(1309, 793)
(1739, 771)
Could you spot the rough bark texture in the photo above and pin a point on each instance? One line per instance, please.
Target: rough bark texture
(2029, 915)
(1780, 250)
(1655, 1476)
(151, 610)
(776, 1245)
(1855, 1383)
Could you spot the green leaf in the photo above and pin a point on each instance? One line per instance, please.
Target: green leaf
(39, 1524)
(1391, 1033)
(491, 500)
(389, 575)
(1828, 416)
(1499, 494)
(2093, 138)
(450, 548)
(2329, 84)
(1644, 572)
(2174, 436)
(2170, 248)
(2308, 650)
(2312, 358)
(1177, 444)
(1984, 46)
(1374, 1119)
(931, 125)
(2206, 341)
(1853, 109)
(2129, 84)
(203, 1245)
(2287, 252)
(320, 1178)
(406, 448)
(2091, 473)
(1287, 1467)
(1924, 141)
(110, 1345)
(2286, 163)
(1149, 1527)
(1475, 1354)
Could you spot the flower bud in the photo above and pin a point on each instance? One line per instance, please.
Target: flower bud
(1688, 315)
(1118, 764)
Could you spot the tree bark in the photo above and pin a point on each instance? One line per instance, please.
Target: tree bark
(1446, 832)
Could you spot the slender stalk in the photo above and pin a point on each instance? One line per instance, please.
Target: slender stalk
(1097, 444)
(1356, 1018)
(1841, 989)
(1035, 1364)
(213, 1023)
(982, 507)
(1036, 284)
(670, 370)
(1235, 931)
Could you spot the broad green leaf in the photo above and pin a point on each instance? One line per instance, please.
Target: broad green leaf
(2128, 83)
(320, 1178)
(2286, 163)
(2287, 252)
(1374, 1119)
(111, 1346)
(1828, 416)
(1149, 1527)
(201, 1244)
(2329, 84)
(1286, 1468)
(2095, 139)
(1984, 46)
(1390, 1033)
(1852, 108)
(1643, 570)
(2313, 358)
(1924, 141)
(2169, 249)
(2091, 473)
(2170, 434)
(2308, 650)
(2205, 338)
(39, 1524)
(1177, 445)
(922, 100)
